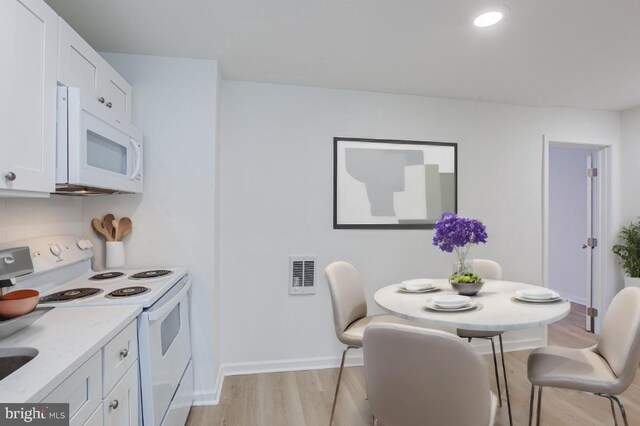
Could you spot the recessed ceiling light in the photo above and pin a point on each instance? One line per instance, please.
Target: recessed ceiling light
(488, 19)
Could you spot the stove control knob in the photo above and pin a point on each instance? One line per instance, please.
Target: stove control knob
(56, 250)
(84, 244)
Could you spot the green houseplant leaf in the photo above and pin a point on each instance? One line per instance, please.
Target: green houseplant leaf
(629, 249)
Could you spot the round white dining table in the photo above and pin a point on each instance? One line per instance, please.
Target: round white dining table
(497, 310)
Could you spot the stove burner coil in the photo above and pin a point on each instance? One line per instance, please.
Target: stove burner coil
(106, 276)
(71, 294)
(155, 273)
(127, 292)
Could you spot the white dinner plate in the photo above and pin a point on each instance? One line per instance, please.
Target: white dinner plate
(522, 295)
(420, 291)
(434, 307)
(451, 301)
(537, 293)
(417, 284)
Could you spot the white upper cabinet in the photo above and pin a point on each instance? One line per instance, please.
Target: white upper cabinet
(79, 65)
(29, 52)
(115, 90)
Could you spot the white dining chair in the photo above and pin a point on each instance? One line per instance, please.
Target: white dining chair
(350, 312)
(490, 270)
(605, 369)
(422, 377)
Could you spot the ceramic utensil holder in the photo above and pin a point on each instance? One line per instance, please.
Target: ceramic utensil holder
(115, 254)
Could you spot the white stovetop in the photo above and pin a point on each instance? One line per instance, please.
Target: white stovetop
(65, 339)
(157, 287)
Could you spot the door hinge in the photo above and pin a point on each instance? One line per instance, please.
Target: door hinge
(592, 242)
(592, 312)
(592, 172)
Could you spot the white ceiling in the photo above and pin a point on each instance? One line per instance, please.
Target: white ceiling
(576, 53)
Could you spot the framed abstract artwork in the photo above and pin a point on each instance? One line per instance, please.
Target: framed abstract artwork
(393, 184)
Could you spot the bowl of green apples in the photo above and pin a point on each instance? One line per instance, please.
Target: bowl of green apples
(467, 283)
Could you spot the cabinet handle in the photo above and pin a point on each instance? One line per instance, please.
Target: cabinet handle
(109, 104)
(10, 176)
(114, 404)
(101, 100)
(124, 353)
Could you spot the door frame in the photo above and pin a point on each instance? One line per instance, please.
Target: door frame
(602, 285)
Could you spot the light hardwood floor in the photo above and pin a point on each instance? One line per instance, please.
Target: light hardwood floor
(303, 398)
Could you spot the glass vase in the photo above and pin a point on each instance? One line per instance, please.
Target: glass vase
(464, 261)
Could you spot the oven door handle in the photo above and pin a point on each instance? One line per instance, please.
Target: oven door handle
(162, 311)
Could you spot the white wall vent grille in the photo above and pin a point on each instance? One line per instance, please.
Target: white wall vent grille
(302, 274)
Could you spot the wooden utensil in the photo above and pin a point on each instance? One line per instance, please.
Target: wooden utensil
(107, 222)
(98, 226)
(115, 227)
(124, 227)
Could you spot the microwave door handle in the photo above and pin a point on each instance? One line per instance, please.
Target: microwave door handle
(136, 149)
(162, 311)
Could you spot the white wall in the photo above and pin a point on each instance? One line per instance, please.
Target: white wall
(174, 104)
(25, 217)
(631, 165)
(276, 200)
(568, 222)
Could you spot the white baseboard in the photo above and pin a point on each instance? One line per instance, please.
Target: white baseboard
(210, 396)
(576, 299)
(354, 359)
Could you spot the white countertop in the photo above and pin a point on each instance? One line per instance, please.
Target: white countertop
(499, 311)
(65, 339)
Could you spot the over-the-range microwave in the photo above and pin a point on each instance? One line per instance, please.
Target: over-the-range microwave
(97, 150)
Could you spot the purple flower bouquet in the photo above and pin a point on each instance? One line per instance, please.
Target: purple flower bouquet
(453, 232)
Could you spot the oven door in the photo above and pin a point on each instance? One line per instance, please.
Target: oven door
(104, 150)
(165, 350)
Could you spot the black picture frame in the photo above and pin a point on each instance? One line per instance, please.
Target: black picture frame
(337, 140)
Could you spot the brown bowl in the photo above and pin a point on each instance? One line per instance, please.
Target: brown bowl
(18, 303)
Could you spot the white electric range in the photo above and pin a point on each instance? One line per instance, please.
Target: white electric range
(63, 276)
(139, 286)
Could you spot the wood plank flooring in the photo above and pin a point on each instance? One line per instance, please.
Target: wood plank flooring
(303, 398)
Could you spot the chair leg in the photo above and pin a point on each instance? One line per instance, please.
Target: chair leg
(622, 410)
(611, 399)
(335, 396)
(531, 398)
(506, 383)
(539, 405)
(613, 412)
(495, 369)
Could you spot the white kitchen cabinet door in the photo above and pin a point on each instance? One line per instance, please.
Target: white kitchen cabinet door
(29, 52)
(78, 62)
(115, 90)
(96, 418)
(121, 405)
(81, 390)
(79, 65)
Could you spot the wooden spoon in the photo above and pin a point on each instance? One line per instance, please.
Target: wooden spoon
(124, 227)
(98, 226)
(107, 222)
(116, 224)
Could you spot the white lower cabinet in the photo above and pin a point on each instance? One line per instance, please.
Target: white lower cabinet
(91, 403)
(82, 390)
(96, 418)
(121, 405)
